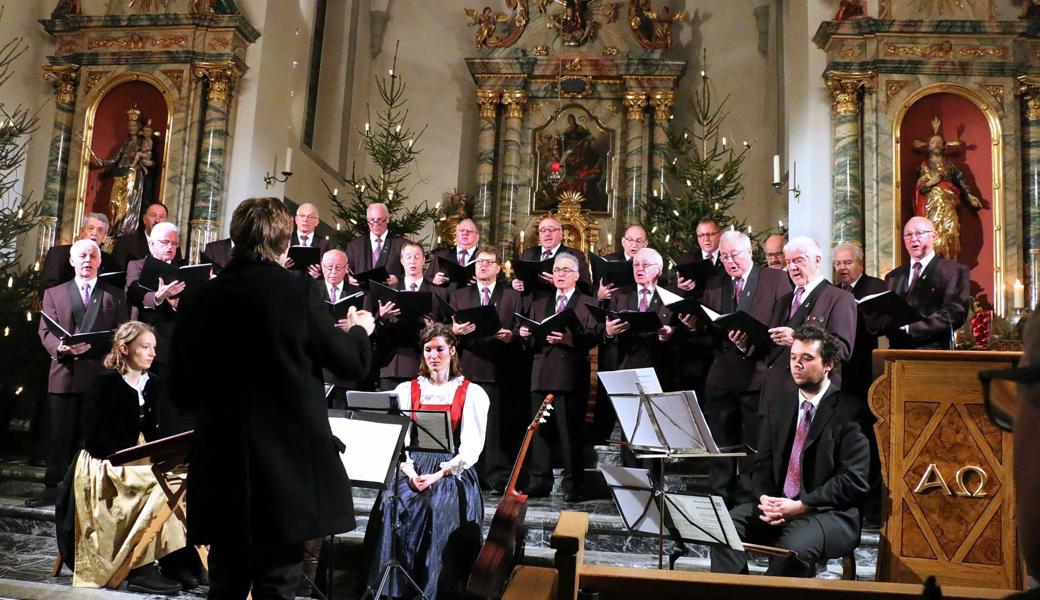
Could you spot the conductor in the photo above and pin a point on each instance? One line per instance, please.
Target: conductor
(263, 475)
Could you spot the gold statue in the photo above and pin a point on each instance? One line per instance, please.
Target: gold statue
(486, 23)
(129, 167)
(940, 190)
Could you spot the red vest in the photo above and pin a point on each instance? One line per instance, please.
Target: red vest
(455, 407)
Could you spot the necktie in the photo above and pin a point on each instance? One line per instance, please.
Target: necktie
(793, 481)
(546, 255)
(644, 299)
(377, 251)
(305, 240)
(846, 287)
(415, 287)
(796, 301)
(485, 298)
(913, 278)
(561, 303)
(86, 295)
(738, 288)
(462, 257)
(332, 294)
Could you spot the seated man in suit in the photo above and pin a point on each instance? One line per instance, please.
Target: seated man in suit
(56, 267)
(134, 246)
(307, 219)
(491, 361)
(936, 287)
(810, 473)
(80, 305)
(379, 248)
(550, 244)
(463, 253)
(560, 367)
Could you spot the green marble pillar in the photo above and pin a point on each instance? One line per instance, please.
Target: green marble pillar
(847, 157)
(629, 212)
(64, 79)
(208, 201)
(509, 199)
(484, 207)
(1031, 186)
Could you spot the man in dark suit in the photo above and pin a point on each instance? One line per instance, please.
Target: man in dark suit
(56, 267)
(397, 336)
(550, 244)
(80, 305)
(734, 381)
(560, 367)
(774, 250)
(810, 472)
(379, 248)
(857, 372)
(814, 300)
(265, 474)
(217, 252)
(491, 361)
(462, 253)
(334, 268)
(307, 219)
(708, 237)
(936, 287)
(134, 246)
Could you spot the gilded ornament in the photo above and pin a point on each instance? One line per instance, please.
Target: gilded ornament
(176, 77)
(68, 46)
(997, 91)
(487, 22)
(64, 79)
(221, 78)
(1030, 89)
(610, 51)
(635, 102)
(219, 43)
(662, 101)
(93, 77)
(943, 49)
(652, 29)
(514, 101)
(845, 91)
(488, 102)
(892, 88)
(982, 51)
(540, 50)
(848, 51)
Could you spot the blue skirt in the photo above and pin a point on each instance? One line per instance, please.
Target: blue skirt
(438, 532)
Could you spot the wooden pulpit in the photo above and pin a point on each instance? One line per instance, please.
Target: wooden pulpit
(948, 499)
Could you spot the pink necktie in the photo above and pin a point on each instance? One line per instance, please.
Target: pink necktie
(415, 287)
(644, 300)
(914, 278)
(546, 255)
(561, 303)
(332, 295)
(797, 301)
(378, 250)
(86, 295)
(793, 481)
(486, 298)
(462, 257)
(305, 240)
(738, 288)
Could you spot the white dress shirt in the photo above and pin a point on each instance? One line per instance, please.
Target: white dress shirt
(815, 400)
(409, 281)
(139, 388)
(474, 416)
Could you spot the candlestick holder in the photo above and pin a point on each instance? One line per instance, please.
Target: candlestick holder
(270, 180)
(780, 188)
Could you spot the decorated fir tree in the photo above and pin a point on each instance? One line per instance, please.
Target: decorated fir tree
(392, 146)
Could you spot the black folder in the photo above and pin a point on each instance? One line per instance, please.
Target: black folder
(888, 309)
(304, 256)
(699, 271)
(757, 331)
(460, 275)
(116, 278)
(529, 272)
(615, 272)
(639, 322)
(100, 341)
(411, 304)
(378, 274)
(484, 317)
(559, 322)
(341, 307)
(191, 275)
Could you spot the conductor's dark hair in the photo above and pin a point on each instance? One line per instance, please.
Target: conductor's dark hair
(440, 330)
(828, 344)
(260, 229)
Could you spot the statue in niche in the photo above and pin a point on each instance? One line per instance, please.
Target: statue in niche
(129, 166)
(579, 20)
(65, 8)
(940, 190)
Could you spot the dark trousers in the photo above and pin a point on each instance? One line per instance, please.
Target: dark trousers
(567, 421)
(494, 464)
(268, 570)
(733, 419)
(63, 411)
(803, 535)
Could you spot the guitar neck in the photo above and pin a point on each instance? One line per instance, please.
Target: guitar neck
(511, 486)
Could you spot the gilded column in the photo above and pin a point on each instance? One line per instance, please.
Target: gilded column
(483, 210)
(510, 197)
(847, 155)
(1030, 90)
(64, 79)
(635, 103)
(662, 101)
(208, 202)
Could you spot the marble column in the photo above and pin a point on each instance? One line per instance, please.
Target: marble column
(64, 79)
(483, 210)
(208, 202)
(635, 103)
(1030, 92)
(662, 101)
(847, 155)
(509, 199)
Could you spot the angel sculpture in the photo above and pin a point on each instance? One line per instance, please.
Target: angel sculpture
(486, 23)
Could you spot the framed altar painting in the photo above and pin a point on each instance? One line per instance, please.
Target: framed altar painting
(573, 153)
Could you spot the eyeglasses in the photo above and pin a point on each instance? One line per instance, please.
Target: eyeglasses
(707, 236)
(920, 233)
(1000, 392)
(732, 256)
(563, 271)
(645, 265)
(168, 243)
(487, 261)
(377, 221)
(334, 268)
(549, 229)
(845, 263)
(799, 260)
(307, 217)
(634, 240)
(779, 254)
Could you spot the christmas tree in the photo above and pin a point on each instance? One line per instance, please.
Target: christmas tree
(392, 147)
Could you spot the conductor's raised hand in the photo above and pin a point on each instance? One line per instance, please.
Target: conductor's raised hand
(361, 318)
(605, 290)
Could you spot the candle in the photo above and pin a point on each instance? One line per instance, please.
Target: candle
(335, 192)
(1019, 295)
(781, 224)
(610, 240)
(776, 168)
(521, 238)
(288, 160)
(723, 142)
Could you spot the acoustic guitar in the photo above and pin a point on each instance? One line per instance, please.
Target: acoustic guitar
(504, 545)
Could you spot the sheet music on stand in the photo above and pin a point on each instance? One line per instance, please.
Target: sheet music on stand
(430, 429)
(373, 445)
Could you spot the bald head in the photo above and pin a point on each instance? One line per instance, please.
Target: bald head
(919, 237)
(774, 248)
(550, 233)
(334, 267)
(378, 217)
(306, 218)
(634, 240)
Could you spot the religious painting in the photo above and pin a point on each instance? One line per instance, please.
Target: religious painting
(573, 153)
(967, 10)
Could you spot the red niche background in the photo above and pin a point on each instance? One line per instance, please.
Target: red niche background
(110, 131)
(961, 120)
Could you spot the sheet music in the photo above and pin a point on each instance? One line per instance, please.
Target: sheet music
(635, 423)
(707, 440)
(638, 507)
(676, 421)
(370, 447)
(381, 401)
(668, 297)
(703, 519)
(624, 382)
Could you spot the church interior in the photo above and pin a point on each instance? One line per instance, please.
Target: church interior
(791, 249)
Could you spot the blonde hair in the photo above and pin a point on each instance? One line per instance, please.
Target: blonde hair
(124, 336)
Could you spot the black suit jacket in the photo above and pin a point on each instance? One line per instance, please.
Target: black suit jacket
(692, 257)
(942, 297)
(450, 255)
(486, 359)
(113, 417)
(858, 371)
(218, 252)
(398, 340)
(638, 350)
(56, 268)
(323, 244)
(143, 308)
(359, 255)
(559, 367)
(264, 466)
(764, 290)
(835, 458)
(345, 290)
(584, 276)
(133, 246)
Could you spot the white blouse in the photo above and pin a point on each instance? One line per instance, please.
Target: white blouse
(474, 416)
(139, 388)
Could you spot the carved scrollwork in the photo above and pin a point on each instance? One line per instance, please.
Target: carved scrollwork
(663, 101)
(1029, 88)
(221, 78)
(652, 28)
(487, 100)
(845, 88)
(635, 103)
(514, 101)
(64, 79)
(487, 22)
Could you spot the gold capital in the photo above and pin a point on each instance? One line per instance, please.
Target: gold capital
(515, 100)
(63, 77)
(1029, 87)
(635, 102)
(662, 101)
(845, 88)
(221, 77)
(488, 102)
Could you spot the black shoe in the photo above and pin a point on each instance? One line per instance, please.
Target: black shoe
(148, 580)
(46, 498)
(184, 576)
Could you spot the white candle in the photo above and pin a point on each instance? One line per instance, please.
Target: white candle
(1019, 295)
(335, 192)
(288, 160)
(521, 238)
(776, 168)
(610, 240)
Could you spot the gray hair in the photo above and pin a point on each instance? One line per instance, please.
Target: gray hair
(806, 244)
(334, 252)
(78, 244)
(97, 217)
(562, 256)
(857, 252)
(159, 230)
(738, 238)
(654, 256)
